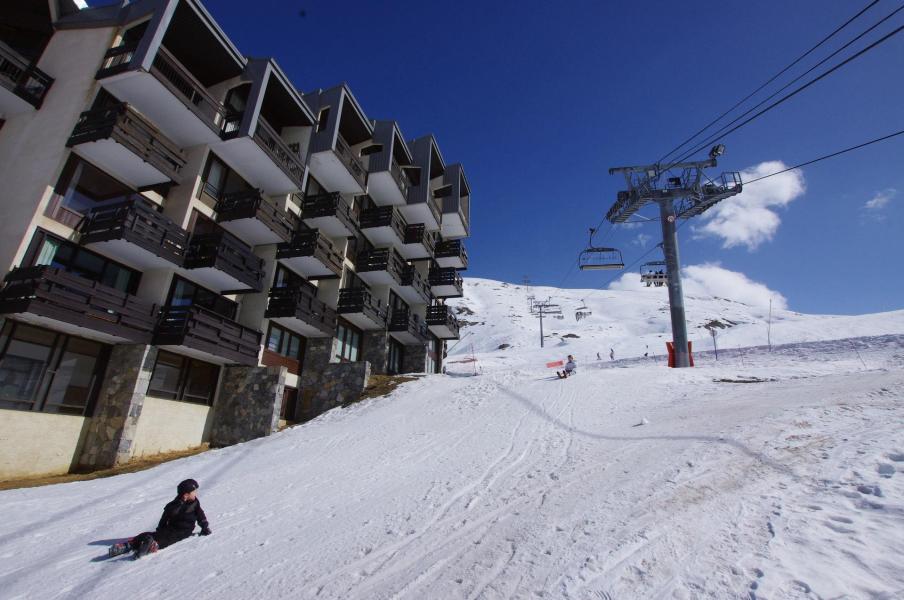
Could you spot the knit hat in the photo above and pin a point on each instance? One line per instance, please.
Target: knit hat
(187, 486)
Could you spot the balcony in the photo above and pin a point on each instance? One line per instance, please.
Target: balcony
(136, 234)
(451, 254)
(299, 310)
(361, 309)
(441, 322)
(456, 204)
(169, 95)
(310, 254)
(121, 142)
(445, 283)
(383, 226)
(206, 335)
(382, 266)
(49, 297)
(418, 243)
(407, 328)
(264, 159)
(330, 214)
(254, 219)
(389, 188)
(413, 288)
(22, 85)
(221, 262)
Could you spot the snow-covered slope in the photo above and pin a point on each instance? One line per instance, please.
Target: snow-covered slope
(761, 475)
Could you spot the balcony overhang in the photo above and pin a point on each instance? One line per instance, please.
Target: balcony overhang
(135, 235)
(444, 331)
(336, 174)
(364, 321)
(384, 189)
(48, 297)
(124, 144)
(301, 312)
(255, 220)
(202, 334)
(421, 212)
(310, 255)
(329, 214)
(451, 254)
(410, 336)
(222, 263)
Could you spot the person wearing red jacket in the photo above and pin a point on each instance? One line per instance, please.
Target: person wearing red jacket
(176, 524)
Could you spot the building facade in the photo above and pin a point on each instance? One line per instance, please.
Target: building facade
(193, 249)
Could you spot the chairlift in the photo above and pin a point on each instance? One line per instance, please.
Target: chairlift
(582, 311)
(654, 273)
(598, 258)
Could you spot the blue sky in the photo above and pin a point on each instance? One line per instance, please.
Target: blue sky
(539, 99)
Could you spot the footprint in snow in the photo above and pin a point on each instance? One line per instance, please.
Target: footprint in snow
(896, 457)
(886, 470)
(870, 490)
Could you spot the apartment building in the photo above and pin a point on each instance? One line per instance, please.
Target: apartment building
(195, 250)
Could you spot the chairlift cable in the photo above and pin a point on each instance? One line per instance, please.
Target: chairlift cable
(719, 135)
(773, 78)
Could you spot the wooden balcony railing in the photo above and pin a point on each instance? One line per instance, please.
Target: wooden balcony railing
(23, 78)
(137, 223)
(441, 316)
(223, 251)
(201, 329)
(267, 138)
(329, 205)
(402, 320)
(384, 216)
(311, 243)
(452, 249)
(411, 277)
(360, 301)
(418, 234)
(125, 126)
(251, 204)
(381, 259)
(55, 294)
(400, 177)
(351, 162)
(179, 80)
(300, 303)
(445, 277)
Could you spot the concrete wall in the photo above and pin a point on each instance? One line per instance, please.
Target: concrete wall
(33, 144)
(34, 443)
(168, 425)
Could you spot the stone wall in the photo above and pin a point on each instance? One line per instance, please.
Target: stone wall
(112, 429)
(339, 384)
(248, 404)
(375, 350)
(414, 358)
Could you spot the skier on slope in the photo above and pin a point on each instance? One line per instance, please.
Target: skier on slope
(570, 368)
(176, 524)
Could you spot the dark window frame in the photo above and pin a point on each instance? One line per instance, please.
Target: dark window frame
(185, 370)
(345, 334)
(231, 304)
(40, 236)
(285, 337)
(58, 349)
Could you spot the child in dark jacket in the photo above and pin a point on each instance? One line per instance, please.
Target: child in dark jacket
(176, 524)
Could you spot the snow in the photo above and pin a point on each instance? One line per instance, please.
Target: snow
(763, 474)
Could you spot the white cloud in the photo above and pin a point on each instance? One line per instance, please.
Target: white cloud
(879, 201)
(642, 240)
(749, 219)
(712, 280)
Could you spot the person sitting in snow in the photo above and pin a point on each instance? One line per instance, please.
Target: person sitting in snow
(570, 367)
(176, 524)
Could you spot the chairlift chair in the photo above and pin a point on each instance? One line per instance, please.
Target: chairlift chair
(599, 258)
(582, 311)
(654, 273)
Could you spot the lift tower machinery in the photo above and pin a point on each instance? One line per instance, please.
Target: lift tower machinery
(679, 197)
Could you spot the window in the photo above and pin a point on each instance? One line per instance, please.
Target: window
(83, 187)
(219, 180)
(185, 379)
(349, 343)
(185, 293)
(285, 278)
(49, 250)
(284, 342)
(394, 365)
(42, 370)
(314, 188)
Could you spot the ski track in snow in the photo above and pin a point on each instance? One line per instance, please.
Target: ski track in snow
(628, 480)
